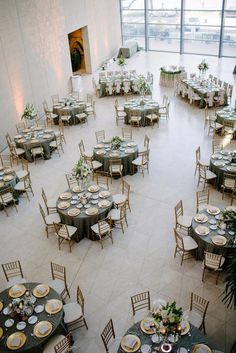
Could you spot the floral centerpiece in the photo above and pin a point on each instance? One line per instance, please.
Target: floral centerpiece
(229, 217)
(82, 171)
(143, 86)
(22, 307)
(116, 142)
(121, 61)
(167, 318)
(29, 112)
(203, 67)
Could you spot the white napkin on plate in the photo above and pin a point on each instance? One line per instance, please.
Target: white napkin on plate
(40, 289)
(130, 342)
(202, 350)
(43, 329)
(15, 342)
(54, 306)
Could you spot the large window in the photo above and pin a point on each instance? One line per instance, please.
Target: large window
(186, 26)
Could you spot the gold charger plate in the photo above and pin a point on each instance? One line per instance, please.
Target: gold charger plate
(53, 306)
(1, 184)
(185, 328)
(213, 210)
(201, 218)
(201, 230)
(1, 306)
(1, 332)
(17, 291)
(41, 290)
(8, 170)
(15, 337)
(219, 240)
(8, 177)
(91, 211)
(93, 188)
(104, 203)
(77, 189)
(127, 349)
(104, 194)
(65, 196)
(73, 212)
(63, 205)
(144, 325)
(201, 348)
(42, 329)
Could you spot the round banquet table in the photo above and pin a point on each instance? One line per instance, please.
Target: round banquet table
(148, 107)
(205, 242)
(33, 344)
(186, 341)
(221, 163)
(168, 78)
(8, 178)
(84, 221)
(226, 114)
(30, 138)
(73, 107)
(127, 152)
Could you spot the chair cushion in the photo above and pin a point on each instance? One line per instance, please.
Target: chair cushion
(96, 164)
(8, 197)
(15, 280)
(218, 126)
(88, 153)
(137, 161)
(115, 169)
(53, 144)
(19, 186)
(193, 317)
(121, 114)
(119, 198)
(53, 217)
(58, 285)
(71, 231)
(49, 347)
(51, 202)
(189, 243)
(114, 214)
(72, 312)
(210, 175)
(104, 231)
(135, 118)
(36, 150)
(152, 116)
(211, 266)
(185, 221)
(19, 151)
(21, 173)
(81, 116)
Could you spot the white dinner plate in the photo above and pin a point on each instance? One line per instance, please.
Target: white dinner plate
(9, 323)
(32, 319)
(21, 325)
(39, 308)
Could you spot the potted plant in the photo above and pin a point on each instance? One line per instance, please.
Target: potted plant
(229, 294)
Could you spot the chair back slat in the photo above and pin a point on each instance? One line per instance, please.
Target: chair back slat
(58, 272)
(107, 334)
(12, 269)
(140, 301)
(64, 346)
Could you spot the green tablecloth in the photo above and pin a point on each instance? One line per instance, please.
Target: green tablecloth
(74, 109)
(169, 78)
(202, 90)
(33, 344)
(221, 163)
(149, 107)
(84, 222)
(226, 114)
(34, 139)
(186, 341)
(103, 156)
(205, 241)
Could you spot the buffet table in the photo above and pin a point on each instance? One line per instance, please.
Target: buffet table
(75, 210)
(44, 318)
(128, 151)
(206, 230)
(130, 47)
(143, 107)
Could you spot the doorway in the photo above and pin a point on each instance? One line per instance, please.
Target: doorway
(79, 51)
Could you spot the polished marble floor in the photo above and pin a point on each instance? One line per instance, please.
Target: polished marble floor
(141, 259)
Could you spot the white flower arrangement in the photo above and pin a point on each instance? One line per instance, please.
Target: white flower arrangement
(168, 317)
(143, 85)
(29, 112)
(203, 66)
(82, 171)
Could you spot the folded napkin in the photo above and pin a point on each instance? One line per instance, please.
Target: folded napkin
(41, 289)
(201, 230)
(147, 324)
(203, 349)
(130, 342)
(213, 209)
(15, 342)
(54, 305)
(16, 290)
(43, 329)
(200, 217)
